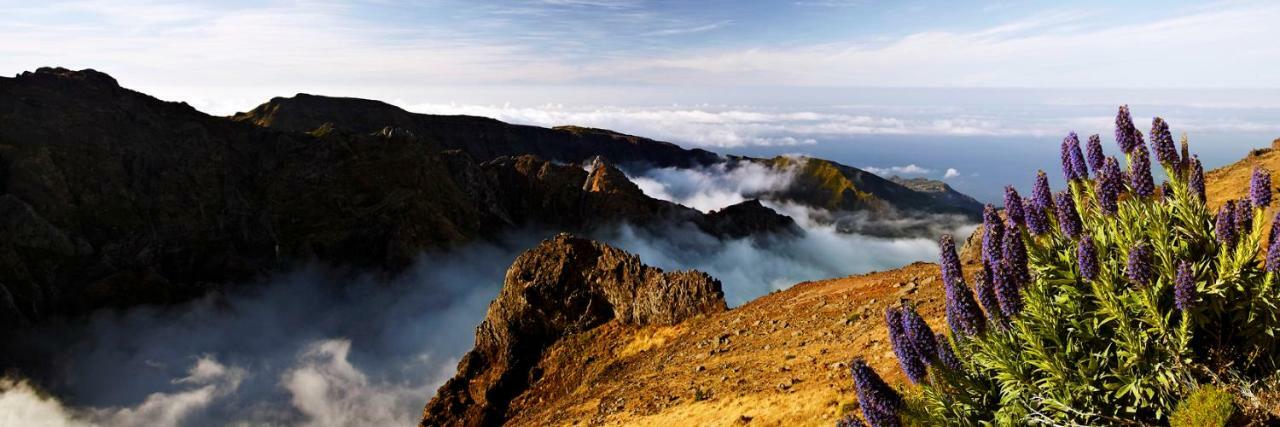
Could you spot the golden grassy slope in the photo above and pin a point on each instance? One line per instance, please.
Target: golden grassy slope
(779, 360)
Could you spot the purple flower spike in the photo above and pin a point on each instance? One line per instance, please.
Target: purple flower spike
(1140, 172)
(880, 403)
(1138, 269)
(1184, 287)
(1068, 172)
(1068, 219)
(1260, 187)
(1110, 184)
(992, 232)
(1273, 256)
(947, 355)
(1040, 194)
(849, 421)
(920, 334)
(950, 261)
(1015, 253)
(1037, 221)
(984, 287)
(1095, 153)
(1007, 289)
(1162, 144)
(1079, 168)
(1225, 224)
(908, 359)
(1186, 155)
(1087, 255)
(963, 315)
(1126, 133)
(1013, 208)
(1244, 218)
(1073, 166)
(1275, 227)
(1196, 181)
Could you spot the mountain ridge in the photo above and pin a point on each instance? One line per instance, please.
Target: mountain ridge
(819, 183)
(122, 199)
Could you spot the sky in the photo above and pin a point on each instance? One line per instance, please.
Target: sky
(538, 51)
(832, 77)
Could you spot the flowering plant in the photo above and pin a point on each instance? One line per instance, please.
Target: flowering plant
(1106, 303)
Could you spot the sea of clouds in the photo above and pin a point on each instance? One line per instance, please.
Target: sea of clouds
(305, 348)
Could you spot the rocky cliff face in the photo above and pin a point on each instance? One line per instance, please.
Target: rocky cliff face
(562, 287)
(113, 198)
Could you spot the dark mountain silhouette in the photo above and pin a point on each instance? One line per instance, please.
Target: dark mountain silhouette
(112, 198)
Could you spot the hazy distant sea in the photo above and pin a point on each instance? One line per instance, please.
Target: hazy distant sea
(991, 137)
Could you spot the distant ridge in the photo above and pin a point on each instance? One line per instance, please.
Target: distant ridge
(480, 137)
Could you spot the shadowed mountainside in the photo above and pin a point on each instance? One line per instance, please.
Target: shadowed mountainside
(113, 198)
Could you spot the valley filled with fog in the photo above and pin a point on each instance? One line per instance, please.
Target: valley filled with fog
(304, 348)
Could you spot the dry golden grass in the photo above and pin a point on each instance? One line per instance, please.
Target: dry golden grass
(779, 360)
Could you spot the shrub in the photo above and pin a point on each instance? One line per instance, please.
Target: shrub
(1106, 303)
(1207, 406)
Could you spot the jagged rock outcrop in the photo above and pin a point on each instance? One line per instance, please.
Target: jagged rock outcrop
(749, 218)
(563, 286)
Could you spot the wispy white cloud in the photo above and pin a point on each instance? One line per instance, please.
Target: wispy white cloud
(910, 169)
(1038, 51)
(609, 4)
(738, 126)
(690, 30)
(201, 49)
(951, 173)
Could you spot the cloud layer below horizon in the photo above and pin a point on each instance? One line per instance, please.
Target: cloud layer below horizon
(307, 349)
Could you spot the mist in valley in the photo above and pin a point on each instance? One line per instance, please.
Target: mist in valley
(305, 348)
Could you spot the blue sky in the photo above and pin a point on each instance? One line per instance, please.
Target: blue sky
(582, 43)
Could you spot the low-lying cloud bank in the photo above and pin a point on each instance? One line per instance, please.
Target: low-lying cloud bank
(308, 349)
(732, 126)
(303, 349)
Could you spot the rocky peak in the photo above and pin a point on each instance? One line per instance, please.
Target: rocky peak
(922, 184)
(87, 75)
(604, 178)
(565, 285)
(748, 218)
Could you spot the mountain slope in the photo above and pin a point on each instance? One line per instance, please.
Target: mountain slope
(836, 187)
(779, 360)
(116, 198)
